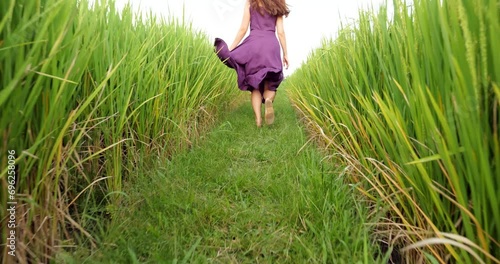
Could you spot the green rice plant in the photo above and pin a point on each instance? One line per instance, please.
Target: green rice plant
(411, 103)
(87, 93)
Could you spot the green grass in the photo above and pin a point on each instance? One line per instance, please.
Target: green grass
(410, 101)
(96, 102)
(86, 93)
(241, 195)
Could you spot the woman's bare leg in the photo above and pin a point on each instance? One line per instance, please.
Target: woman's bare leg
(268, 94)
(256, 105)
(268, 101)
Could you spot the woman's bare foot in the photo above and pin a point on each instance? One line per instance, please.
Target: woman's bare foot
(258, 122)
(269, 113)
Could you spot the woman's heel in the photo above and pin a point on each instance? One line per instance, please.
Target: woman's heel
(258, 122)
(269, 111)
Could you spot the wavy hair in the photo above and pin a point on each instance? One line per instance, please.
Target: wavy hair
(273, 7)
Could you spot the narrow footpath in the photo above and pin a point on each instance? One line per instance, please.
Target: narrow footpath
(242, 195)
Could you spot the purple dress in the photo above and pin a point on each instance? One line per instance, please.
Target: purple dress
(257, 58)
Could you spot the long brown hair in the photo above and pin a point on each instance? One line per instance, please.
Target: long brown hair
(273, 7)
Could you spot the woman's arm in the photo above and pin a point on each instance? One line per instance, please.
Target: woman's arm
(282, 38)
(244, 26)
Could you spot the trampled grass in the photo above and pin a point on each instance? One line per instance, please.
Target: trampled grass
(411, 103)
(86, 94)
(241, 195)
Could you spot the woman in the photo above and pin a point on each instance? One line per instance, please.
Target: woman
(257, 59)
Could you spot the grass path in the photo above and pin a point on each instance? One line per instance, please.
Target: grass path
(242, 195)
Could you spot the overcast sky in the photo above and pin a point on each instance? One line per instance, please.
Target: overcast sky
(308, 23)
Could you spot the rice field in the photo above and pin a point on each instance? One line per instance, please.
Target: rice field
(405, 103)
(86, 93)
(409, 101)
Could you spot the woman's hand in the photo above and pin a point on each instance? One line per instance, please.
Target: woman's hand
(285, 61)
(245, 24)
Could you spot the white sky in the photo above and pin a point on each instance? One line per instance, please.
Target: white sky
(308, 23)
